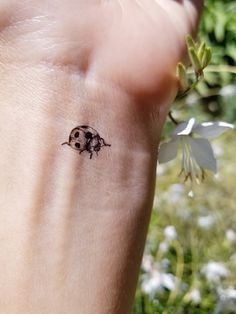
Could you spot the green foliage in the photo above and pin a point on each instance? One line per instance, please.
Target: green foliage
(215, 96)
(218, 30)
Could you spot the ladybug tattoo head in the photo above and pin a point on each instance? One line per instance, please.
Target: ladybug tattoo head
(84, 138)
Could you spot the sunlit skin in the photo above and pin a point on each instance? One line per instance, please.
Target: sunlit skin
(72, 228)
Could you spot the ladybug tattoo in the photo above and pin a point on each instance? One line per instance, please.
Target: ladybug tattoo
(85, 138)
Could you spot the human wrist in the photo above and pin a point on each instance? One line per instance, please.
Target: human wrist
(63, 201)
(47, 104)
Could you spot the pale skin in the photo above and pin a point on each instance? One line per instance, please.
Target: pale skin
(73, 229)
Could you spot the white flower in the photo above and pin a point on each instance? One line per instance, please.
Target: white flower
(205, 222)
(230, 236)
(215, 271)
(195, 296)
(170, 233)
(227, 301)
(229, 293)
(169, 281)
(197, 153)
(157, 281)
(163, 247)
(147, 263)
(175, 193)
(228, 91)
(152, 284)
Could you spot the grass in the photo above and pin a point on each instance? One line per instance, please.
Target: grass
(205, 226)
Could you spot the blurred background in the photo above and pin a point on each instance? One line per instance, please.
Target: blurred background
(189, 264)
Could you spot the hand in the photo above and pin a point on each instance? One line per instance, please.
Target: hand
(133, 44)
(72, 228)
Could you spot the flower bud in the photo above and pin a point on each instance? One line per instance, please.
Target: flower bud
(190, 42)
(182, 76)
(206, 57)
(201, 51)
(195, 60)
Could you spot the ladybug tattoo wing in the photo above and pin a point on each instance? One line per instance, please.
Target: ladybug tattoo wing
(85, 138)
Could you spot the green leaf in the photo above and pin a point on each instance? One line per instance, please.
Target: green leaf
(190, 42)
(182, 76)
(201, 50)
(194, 59)
(206, 57)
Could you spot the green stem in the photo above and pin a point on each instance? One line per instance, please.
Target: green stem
(178, 273)
(221, 68)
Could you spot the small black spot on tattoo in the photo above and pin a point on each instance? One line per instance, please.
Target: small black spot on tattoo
(85, 138)
(88, 135)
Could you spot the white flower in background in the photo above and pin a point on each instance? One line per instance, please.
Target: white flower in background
(151, 283)
(206, 222)
(175, 193)
(164, 247)
(215, 271)
(147, 263)
(170, 233)
(228, 90)
(169, 281)
(230, 236)
(157, 281)
(229, 293)
(227, 301)
(197, 153)
(195, 296)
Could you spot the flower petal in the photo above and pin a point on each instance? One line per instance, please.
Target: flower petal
(168, 151)
(212, 129)
(184, 128)
(203, 153)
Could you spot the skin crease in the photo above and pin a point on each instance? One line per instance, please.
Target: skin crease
(73, 229)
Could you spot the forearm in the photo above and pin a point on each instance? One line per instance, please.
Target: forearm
(73, 228)
(80, 222)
